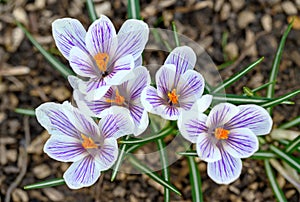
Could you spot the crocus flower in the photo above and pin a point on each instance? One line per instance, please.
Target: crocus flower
(101, 55)
(178, 85)
(225, 136)
(126, 95)
(76, 138)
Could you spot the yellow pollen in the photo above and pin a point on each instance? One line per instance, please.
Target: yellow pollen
(173, 97)
(102, 61)
(221, 133)
(88, 143)
(119, 100)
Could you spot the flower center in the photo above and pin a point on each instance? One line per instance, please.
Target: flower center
(102, 61)
(221, 133)
(119, 100)
(173, 97)
(88, 142)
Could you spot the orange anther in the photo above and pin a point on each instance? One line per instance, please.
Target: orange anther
(173, 97)
(119, 100)
(88, 142)
(221, 133)
(102, 61)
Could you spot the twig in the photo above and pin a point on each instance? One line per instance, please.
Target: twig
(24, 157)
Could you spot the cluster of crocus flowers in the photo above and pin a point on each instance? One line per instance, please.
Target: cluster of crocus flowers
(113, 86)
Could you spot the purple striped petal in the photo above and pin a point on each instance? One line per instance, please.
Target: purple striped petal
(65, 149)
(165, 80)
(138, 62)
(221, 114)
(94, 88)
(82, 173)
(108, 153)
(132, 38)
(207, 149)
(68, 33)
(101, 37)
(150, 100)
(53, 118)
(226, 170)
(116, 124)
(140, 118)
(241, 143)
(191, 124)
(190, 88)
(253, 117)
(82, 63)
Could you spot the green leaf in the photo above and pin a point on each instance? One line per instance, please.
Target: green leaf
(236, 77)
(47, 183)
(272, 179)
(294, 144)
(280, 99)
(262, 86)
(133, 9)
(91, 10)
(248, 91)
(164, 164)
(28, 112)
(292, 161)
(286, 143)
(174, 28)
(291, 123)
(65, 71)
(195, 180)
(276, 63)
(152, 174)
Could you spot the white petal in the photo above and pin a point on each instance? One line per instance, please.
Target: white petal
(221, 114)
(108, 153)
(207, 149)
(165, 77)
(202, 104)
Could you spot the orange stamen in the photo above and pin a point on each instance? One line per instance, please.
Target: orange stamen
(173, 97)
(102, 61)
(88, 143)
(119, 100)
(221, 133)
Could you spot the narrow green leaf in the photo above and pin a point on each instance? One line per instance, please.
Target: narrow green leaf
(236, 77)
(276, 63)
(91, 10)
(152, 174)
(225, 64)
(292, 161)
(262, 86)
(291, 123)
(272, 179)
(286, 143)
(195, 180)
(133, 9)
(151, 138)
(294, 144)
(188, 153)
(248, 91)
(28, 112)
(224, 42)
(174, 28)
(47, 183)
(280, 99)
(65, 71)
(164, 164)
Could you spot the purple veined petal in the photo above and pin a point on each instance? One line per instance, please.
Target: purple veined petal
(136, 85)
(169, 112)
(221, 114)
(140, 118)
(241, 143)
(164, 78)
(202, 104)
(82, 173)
(65, 148)
(121, 71)
(138, 62)
(117, 123)
(184, 58)
(68, 33)
(151, 101)
(191, 124)
(54, 119)
(226, 170)
(190, 88)
(94, 89)
(108, 153)
(253, 117)
(101, 37)
(207, 148)
(132, 38)
(82, 63)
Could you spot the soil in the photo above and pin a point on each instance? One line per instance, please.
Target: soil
(253, 30)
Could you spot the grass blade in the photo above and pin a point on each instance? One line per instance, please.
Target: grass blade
(133, 9)
(272, 179)
(28, 112)
(292, 161)
(65, 71)
(236, 77)
(276, 63)
(293, 145)
(152, 174)
(91, 10)
(280, 99)
(195, 180)
(174, 28)
(291, 123)
(47, 183)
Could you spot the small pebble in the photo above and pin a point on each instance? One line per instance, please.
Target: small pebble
(266, 22)
(41, 171)
(289, 8)
(53, 194)
(19, 195)
(245, 18)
